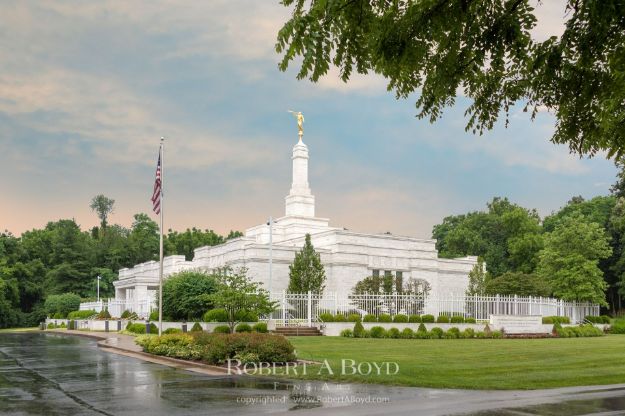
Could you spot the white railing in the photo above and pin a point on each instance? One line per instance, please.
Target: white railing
(305, 308)
(117, 306)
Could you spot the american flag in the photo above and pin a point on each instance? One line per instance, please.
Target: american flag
(156, 196)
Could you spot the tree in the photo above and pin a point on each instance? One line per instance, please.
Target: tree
(186, 242)
(63, 304)
(508, 237)
(143, 239)
(307, 274)
(238, 294)
(483, 48)
(9, 304)
(569, 261)
(102, 206)
(186, 295)
(516, 283)
(477, 279)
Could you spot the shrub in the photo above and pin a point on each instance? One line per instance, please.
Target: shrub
(605, 319)
(497, 334)
(407, 333)
(215, 315)
(554, 319)
(457, 319)
(216, 348)
(400, 318)
(221, 329)
(422, 328)
(246, 316)
(353, 317)
(197, 327)
(480, 334)
(487, 331)
(452, 333)
(243, 328)
(171, 345)
(139, 328)
(61, 304)
(129, 315)
(347, 333)
(442, 319)
(172, 331)
(62, 325)
(468, 333)
(370, 318)
(385, 317)
(58, 315)
(153, 316)
(415, 319)
(557, 328)
(427, 319)
(339, 318)
(81, 314)
(260, 327)
(359, 330)
(71, 325)
(393, 333)
(592, 319)
(470, 321)
(186, 294)
(377, 332)
(436, 333)
(104, 314)
(326, 317)
(51, 326)
(618, 327)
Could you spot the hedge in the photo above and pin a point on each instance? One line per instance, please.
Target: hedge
(217, 348)
(385, 318)
(243, 328)
(442, 319)
(81, 314)
(197, 327)
(400, 318)
(618, 327)
(415, 319)
(370, 318)
(260, 327)
(139, 328)
(554, 319)
(221, 329)
(427, 319)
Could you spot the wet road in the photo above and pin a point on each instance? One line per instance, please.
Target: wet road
(48, 374)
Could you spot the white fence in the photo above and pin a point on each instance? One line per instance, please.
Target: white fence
(305, 308)
(117, 306)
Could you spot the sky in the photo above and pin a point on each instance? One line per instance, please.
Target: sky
(88, 88)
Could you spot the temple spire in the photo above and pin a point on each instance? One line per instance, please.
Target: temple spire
(300, 201)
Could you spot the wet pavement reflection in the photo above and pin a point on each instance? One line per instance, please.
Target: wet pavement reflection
(43, 373)
(54, 374)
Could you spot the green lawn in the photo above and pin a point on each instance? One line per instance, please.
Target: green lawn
(19, 329)
(473, 363)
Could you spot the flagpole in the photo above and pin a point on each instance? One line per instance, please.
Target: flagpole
(160, 270)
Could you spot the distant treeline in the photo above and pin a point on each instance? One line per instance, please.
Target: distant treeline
(62, 258)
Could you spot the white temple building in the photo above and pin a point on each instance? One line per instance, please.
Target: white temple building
(347, 256)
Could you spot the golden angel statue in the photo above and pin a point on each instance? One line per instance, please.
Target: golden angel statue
(300, 121)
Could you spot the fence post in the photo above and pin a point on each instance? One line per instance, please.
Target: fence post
(284, 307)
(309, 308)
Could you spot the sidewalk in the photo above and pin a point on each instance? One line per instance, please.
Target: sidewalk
(125, 345)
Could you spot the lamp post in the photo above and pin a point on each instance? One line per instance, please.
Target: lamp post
(270, 223)
(99, 288)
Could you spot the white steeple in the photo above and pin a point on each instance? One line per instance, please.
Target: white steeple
(300, 202)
